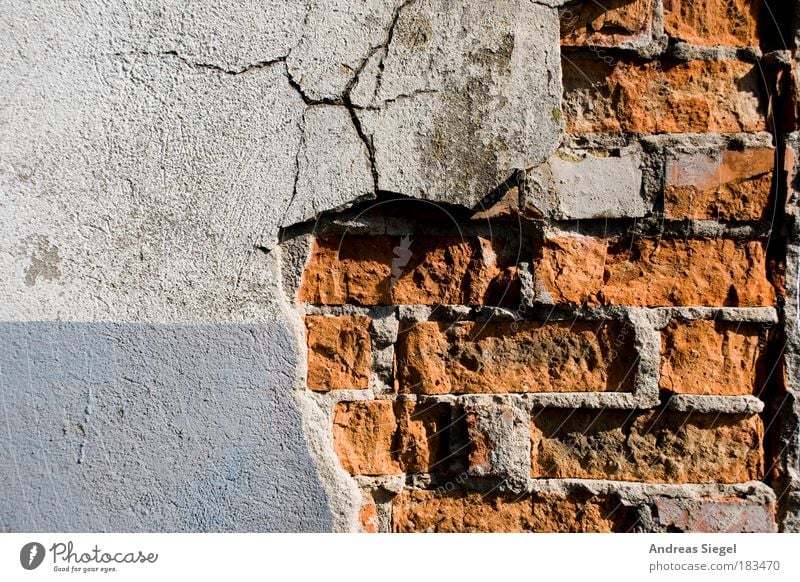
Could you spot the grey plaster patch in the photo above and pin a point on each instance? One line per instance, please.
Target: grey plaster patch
(129, 427)
(574, 184)
(647, 341)
(504, 430)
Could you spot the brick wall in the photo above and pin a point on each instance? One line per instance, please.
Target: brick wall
(601, 346)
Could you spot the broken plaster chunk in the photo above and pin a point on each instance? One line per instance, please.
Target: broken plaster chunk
(339, 36)
(580, 185)
(464, 97)
(333, 164)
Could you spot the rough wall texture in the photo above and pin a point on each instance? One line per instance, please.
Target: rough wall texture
(399, 266)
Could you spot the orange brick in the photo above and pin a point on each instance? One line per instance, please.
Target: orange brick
(339, 352)
(349, 269)
(654, 446)
(727, 185)
(382, 437)
(651, 97)
(476, 357)
(710, 357)
(368, 515)
(424, 270)
(713, 22)
(608, 23)
(454, 512)
(651, 272)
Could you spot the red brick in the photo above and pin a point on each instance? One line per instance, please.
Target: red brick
(382, 437)
(726, 185)
(607, 24)
(339, 352)
(713, 22)
(651, 272)
(656, 97)
(710, 357)
(653, 446)
(368, 514)
(431, 511)
(377, 270)
(477, 357)
(790, 173)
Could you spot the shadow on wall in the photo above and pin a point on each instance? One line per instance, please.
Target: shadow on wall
(133, 427)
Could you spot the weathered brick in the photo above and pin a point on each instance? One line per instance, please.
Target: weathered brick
(339, 352)
(713, 22)
(607, 24)
(654, 446)
(363, 437)
(431, 511)
(425, 270)
(710, 357)
(652, 272)
(368, 514)
(724, 185)
(727, 515)
(479, 357)
(790, 173)
(651, 97)
(383, 437)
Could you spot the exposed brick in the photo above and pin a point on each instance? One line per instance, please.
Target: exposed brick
(710, 357)
(479, 357)
(790, 174)
(651, 272)
(380, 270)
(349, 269)
(654, 446)
(430, 511)
(715, 515)
(725, 185)
(423, 437)
(713, 22)
(363, 437)
(339, 352)
(651, 97)
(368, 514)
(383, 437)
(608, 23)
